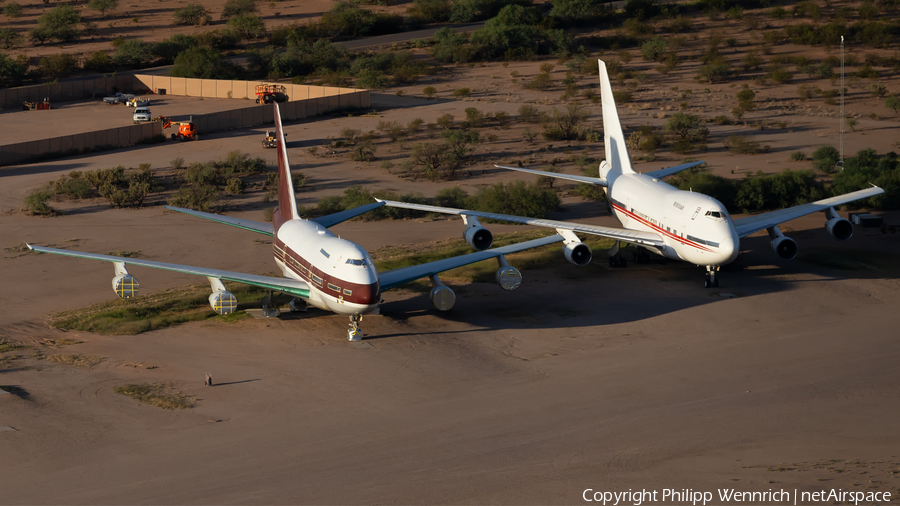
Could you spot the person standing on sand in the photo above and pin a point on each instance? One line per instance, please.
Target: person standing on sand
(208, 381)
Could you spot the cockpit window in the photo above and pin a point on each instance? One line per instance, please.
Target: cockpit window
(356, 261)
(715, 214)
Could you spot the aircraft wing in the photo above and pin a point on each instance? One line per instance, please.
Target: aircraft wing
(333, 219)
(581, 179)
(668, 171)
(619, 234)
(253, 226)
(752, 224)
(397, 277)
(291, 286)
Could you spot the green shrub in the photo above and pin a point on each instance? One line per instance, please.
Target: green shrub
(893, 103)
(781, 76)
(364, 151)
(714, 72)
(462, 92)
(654, 49)
(516, 198)
(103, 6)
(192, 14)
(868, 167)
(36, 202)
(739, 144)
(429, 91)
(59, 23)
(99, 62)
(73, 186)
(798, 156)
(826, 152)
(234, 186)
(238, 7)
(196, 196)
(529, 114)
(134, 53)
(454, 197)
(203, 63)
(12, 10)
(58, 65)
(248, 26)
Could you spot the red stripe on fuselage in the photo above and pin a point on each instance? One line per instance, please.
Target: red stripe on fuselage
(661, 230)
(360, 294)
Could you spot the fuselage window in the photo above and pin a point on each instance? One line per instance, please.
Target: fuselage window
(317, 280)
(334, 287)
(325, 253)
(348, 292)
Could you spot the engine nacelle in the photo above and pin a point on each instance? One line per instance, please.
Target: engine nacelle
(604, 169)
(125, 285)
(578, 253)
(839, 228)
(509, 278)
(784, 247)
(223, 302)
(479, 238)
(442, 297)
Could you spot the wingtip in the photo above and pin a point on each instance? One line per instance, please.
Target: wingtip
(30, 247)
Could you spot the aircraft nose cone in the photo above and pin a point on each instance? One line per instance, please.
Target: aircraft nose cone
(729, 247)
(368, 294)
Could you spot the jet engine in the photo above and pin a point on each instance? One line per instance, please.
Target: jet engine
(578, 253)
(478, 237)
(784, 247)
(223, 302)
(125, 285)
(442, 297)
(509, 278)
(839, 228)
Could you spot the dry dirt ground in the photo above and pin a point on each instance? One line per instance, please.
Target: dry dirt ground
(786, 377)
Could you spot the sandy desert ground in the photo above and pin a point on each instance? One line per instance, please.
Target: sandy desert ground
(786, 377)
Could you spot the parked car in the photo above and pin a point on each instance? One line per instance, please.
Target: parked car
(141, 114)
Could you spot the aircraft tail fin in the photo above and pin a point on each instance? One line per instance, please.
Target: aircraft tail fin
(613, 137)
(287, 201)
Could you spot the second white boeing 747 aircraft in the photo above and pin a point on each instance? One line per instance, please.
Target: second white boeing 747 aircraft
(677, 224)
(320, 268)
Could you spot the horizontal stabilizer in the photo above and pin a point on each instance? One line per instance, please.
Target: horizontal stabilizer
(333, 219)
(581, 179)
(254, 226)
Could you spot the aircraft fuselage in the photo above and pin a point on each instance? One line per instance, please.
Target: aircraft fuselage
(341, 275)
(696, 228)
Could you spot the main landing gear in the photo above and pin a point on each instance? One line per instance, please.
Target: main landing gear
(712, 280)
(269, 311)
(353, 333)
(615, 257)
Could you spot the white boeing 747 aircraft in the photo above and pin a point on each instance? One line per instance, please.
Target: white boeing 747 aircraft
(319, 268)
(680, 225)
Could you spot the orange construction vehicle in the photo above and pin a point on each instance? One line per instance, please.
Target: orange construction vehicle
(186, 129)
(268, 93)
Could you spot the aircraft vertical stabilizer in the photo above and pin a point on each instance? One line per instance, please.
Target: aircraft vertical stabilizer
(613, 137)
(287, 202)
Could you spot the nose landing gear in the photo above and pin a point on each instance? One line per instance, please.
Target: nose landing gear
(353, 333)
(712, 280)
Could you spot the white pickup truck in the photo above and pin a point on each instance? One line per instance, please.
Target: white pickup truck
(141, 114)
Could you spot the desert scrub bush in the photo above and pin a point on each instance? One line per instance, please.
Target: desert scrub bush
(540, 82)
(517, 198)
(445, 121)
(196, 196)
(36, 202)
(474, 118)
(234, 186)
(192, 14)
(363, 152)
(654, 49)
(739, 144)
(163, 396)
(529, 114)
(564, 125)
(12, 10)
(86, 361)
(462, 92)
(798, 156)
(414, 125)
(878, 90)
(622, 96)
(392, 129)
(893, 103)
(429, 91)
(72, 186)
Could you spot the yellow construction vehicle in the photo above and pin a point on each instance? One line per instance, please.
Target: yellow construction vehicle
(268, 93)
(31, 106)
(269, 140)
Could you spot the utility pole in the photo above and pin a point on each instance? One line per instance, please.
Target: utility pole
(841, 162)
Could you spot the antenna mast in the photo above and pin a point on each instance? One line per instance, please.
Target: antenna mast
(841, 163)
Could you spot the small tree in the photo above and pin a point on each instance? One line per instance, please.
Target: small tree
(893, 103)
(564, 125)
(12, 10)
(654, 49)
(9, 38)
(682, 125)
(192, 14)
(237, 7)
(248, 26)
(59, 23)
(133, 52)
(202, 62)
(103, 6)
